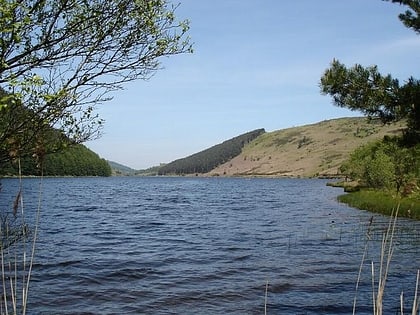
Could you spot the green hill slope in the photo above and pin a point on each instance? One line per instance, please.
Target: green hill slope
(76, 160)
(306, 151)
(208, 159)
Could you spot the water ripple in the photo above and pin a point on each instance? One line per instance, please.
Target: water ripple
(207, 246)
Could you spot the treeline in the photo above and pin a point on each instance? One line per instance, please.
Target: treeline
(75, 160)
(206, 160)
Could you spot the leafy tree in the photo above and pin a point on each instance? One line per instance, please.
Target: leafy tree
(375, 95)
(59, 59)
(379, 170)
(384, 164)
(390, 163)
(365, 89)
(354, 167)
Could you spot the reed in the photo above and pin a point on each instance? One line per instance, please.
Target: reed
(266, 296)
(378, 285)
(416, 301)
(17, 254)
(387, 249)
(368, 238)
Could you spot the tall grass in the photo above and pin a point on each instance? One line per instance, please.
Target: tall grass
(383, 202)
(17, 253)
(379, 280)
(387, 250)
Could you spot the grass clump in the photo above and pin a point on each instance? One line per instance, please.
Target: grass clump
(384, 202)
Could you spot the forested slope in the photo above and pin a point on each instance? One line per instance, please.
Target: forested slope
(206, 160)
(75, 160)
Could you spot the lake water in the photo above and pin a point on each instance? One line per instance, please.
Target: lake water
(207, 246)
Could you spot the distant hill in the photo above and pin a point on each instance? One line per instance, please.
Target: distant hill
(312, 150)
(120, 169)
(151, 171)
(206, 160)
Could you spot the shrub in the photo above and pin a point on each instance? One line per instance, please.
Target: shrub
(385, 164)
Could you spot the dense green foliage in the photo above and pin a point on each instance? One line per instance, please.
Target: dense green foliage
(205, 161)
(385, 164)
(34, 140)
(39, 145)
(73, 161)
(383, 202)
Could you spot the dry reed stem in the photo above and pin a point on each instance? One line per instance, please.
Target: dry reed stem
(373, 287)
(13, 288)
(416, 301)
(387, 249)
(3, 281)
(31, 262)
(402, 303)
(265, 301)
(361, 264)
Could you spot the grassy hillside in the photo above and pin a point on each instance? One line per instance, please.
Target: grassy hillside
(306, 151)
(210, 158)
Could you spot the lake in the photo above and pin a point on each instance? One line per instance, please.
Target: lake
(157, 245)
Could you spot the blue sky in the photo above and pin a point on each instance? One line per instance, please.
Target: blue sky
(256, 64)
